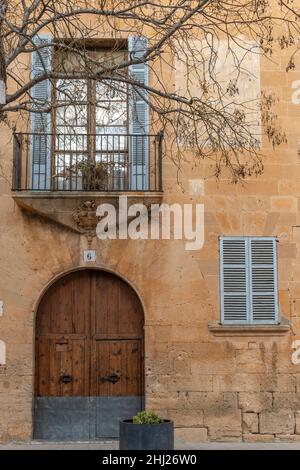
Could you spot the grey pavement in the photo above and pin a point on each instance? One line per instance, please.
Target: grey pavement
(113, 444)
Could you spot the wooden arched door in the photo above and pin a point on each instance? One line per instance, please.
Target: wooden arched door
(89, 357)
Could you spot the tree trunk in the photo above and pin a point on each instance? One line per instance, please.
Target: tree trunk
(3, 9)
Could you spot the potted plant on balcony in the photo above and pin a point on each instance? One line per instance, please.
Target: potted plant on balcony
(146, 431)
(94, 175)
(86, 175)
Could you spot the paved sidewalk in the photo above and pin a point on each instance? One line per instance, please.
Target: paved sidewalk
(113, 444)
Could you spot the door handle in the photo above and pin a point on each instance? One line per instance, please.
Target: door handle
(65, 379)
(113, 378)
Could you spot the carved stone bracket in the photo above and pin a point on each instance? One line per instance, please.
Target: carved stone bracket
(77, 210)
(85, 219)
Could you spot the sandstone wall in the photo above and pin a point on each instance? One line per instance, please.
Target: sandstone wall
(215, 388)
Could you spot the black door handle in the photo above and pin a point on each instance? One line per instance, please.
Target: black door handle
(66, 379)
(113, 378)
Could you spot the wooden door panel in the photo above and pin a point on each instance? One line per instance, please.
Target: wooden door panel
(62, 357)
(81, 308)
(122, 358)
(116, 310)
(42, 357)
(65, 308)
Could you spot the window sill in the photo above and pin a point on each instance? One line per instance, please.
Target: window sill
(248, 330)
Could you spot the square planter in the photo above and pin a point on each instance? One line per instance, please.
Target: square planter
(146, 436)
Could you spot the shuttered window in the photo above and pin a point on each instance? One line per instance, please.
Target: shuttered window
(40, 152)
(248, 280)
(139, 115)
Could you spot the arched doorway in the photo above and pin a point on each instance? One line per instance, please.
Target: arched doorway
(89, 357)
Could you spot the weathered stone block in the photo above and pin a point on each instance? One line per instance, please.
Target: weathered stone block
(218, 403)
(237, 382)
(165, 401)
(181, 362)
(286, 383)
(276, 422)
(159, 333)
(287, 250)
(200, 383)
(254, 222)
(185, 333)
(250, 361)
(287, 438)
(284, 300)
(258, 437)
(255, 401)
(296, 235)
(250, 423)
(278, 383)
(297, 419)
(186, 418)
(288, 400)
(296, 306)
(160, 366)
(283, 204)
(225, 425)
(190, 436)
(212, 358)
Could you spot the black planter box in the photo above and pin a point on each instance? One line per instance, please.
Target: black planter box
(146, 436)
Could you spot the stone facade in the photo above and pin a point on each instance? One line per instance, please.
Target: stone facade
(218, 388)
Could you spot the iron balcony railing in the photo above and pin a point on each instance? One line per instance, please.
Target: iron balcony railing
(87, 162)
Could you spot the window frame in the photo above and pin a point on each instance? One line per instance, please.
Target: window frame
(249, 294)
(91, 104)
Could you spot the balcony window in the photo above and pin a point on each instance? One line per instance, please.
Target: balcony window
(97, 136)
(91, 127)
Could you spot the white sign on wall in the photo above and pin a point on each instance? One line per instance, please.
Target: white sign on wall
(89, 256)
(1, 308)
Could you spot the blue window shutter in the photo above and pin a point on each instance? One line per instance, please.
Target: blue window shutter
(40, 154)
(139, 117)
(234, 285)
(263, 280)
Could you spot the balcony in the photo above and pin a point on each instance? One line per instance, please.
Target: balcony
(55, 174)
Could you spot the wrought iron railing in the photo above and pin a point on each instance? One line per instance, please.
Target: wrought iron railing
(87, 162)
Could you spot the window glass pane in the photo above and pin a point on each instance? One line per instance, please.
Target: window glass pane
(71, 130)
(72, 115)
(111, 114)
(111, 142)
(74, 142)
(114, 130)
(119, 160)
(71, 90)
(111, 90)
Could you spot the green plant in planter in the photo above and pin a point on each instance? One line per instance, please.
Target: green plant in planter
(146, 431)
(147, 417)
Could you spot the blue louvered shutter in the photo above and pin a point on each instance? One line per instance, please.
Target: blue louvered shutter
(40, 154)
(234, 304)
(138, 117)
(249, 292)
(263, 280)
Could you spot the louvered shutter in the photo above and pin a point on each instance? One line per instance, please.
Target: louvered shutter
(263, 280)
(248, 280)
(234, 304)
(41, 121)
(138, 117)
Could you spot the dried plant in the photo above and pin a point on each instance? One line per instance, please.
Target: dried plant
(200, 109)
